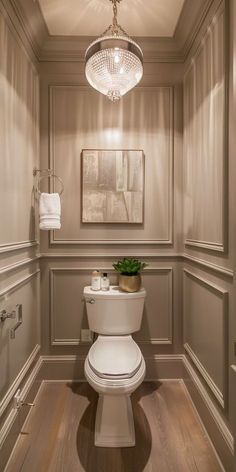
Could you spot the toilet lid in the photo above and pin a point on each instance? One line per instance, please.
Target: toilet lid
(115, 357)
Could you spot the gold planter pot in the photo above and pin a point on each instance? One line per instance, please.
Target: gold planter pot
(130, 283)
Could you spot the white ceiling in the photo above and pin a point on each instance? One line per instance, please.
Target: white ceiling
(92, 17)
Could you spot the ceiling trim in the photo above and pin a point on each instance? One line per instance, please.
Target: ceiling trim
(16, 25)
(26, 18)
(205, 15)
(50, 48)
(71, 48)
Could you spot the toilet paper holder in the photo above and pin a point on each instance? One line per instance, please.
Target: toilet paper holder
(16, 312)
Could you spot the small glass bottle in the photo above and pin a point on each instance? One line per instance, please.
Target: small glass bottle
(105, 283)
(96, 280)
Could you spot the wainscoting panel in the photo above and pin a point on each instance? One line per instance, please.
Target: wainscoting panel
(83, 119)
(156, 325)
(205, 148)
(19, 117)
(205, 331)
(67, 308)
(68, 312)
(15, 352)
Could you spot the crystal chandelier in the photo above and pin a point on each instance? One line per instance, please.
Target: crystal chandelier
(114, 62)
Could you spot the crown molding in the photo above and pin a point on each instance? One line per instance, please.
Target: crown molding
(207, 12)
(190, 21)
(72, 48)
(155, 50)
(25, 18)
(29, 22)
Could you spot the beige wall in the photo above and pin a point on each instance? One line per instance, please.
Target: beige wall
(204, 141)
(148, 118)
(232, 213)
(200, 289)
(19, 272)
(188, 235)
(209, 218)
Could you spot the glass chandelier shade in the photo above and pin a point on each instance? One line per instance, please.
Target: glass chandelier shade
(114, 62)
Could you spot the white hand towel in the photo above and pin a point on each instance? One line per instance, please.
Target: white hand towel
(49, 211)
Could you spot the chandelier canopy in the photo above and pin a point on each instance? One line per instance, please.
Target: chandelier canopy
(114, 62)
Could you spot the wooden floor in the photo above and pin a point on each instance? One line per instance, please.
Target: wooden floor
(58, 435)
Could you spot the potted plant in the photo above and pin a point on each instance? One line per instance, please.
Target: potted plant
(129, 273)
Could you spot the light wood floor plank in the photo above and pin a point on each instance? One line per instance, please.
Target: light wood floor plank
(58, 435)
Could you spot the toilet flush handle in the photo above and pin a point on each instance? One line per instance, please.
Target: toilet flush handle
(90, 300)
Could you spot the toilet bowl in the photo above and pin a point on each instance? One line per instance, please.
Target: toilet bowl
(114, 366)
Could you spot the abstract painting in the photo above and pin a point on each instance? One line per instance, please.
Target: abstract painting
(112, 186)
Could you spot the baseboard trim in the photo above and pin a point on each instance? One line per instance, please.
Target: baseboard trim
(160, 367)
(210, 415)
(24, 392)
(228, 437)
(211, 384)
(202, 423)
(164, 366)
(23, 423)
(15, 385)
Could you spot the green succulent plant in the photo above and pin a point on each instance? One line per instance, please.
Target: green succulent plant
(129, 266)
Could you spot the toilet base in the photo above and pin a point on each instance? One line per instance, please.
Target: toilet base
(114, 425)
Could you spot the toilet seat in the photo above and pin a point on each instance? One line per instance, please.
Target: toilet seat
(115, 357)
(113, 385)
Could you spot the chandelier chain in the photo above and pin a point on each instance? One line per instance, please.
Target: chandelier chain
(114, 13)
(115, 28)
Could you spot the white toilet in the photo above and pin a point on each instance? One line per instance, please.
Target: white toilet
(114, 366)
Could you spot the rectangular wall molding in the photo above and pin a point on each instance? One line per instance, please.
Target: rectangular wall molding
(17, 246)
(208, 265)
(111, 255)
(219, 247)
(20, 282)
(166, 94)
(193, 328)
(205, 139)
(68, 242)
(171, 256)
(52, 271)
(163, 271)
(168, 271)
(18, 265)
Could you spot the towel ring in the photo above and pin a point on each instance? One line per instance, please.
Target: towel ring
(49, 174)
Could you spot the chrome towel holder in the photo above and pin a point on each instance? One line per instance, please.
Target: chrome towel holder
(47, 174)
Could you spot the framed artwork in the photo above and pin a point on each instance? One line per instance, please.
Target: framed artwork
(112, 186)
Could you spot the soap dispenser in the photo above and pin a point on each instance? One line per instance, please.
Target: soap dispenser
(105, 283)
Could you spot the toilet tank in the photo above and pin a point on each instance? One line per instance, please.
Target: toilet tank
(114, 312)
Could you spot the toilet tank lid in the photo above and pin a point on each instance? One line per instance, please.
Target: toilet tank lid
(114, 292)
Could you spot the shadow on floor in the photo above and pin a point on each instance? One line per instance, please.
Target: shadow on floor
(83, 389)
(98, 459)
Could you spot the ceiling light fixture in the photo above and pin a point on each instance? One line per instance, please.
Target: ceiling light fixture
(114, 62)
